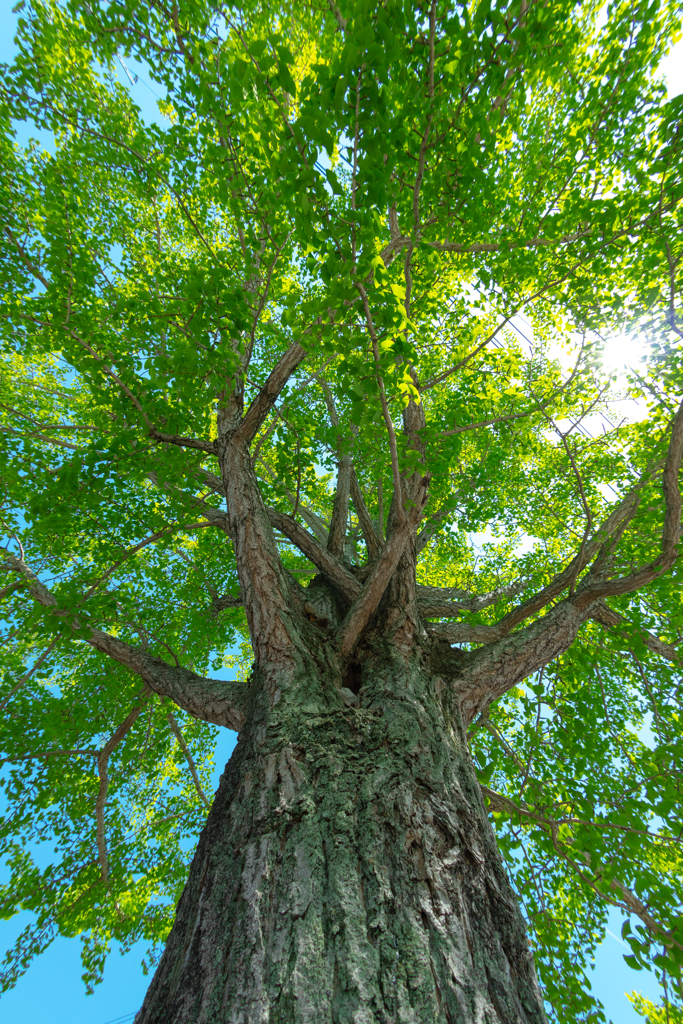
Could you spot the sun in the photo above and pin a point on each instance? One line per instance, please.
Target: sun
(623, 352)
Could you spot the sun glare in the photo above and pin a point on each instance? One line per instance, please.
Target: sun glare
(622, 353)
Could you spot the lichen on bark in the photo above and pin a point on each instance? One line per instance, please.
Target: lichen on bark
(348, 871)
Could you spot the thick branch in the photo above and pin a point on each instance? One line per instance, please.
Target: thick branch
(218, 701)
(340, 512)
(323, 559)
(264, 401)
(219, 604)
(446, 601)
(372, 542)
(183, 442)
(491, 671)
(463, 633)
(366, 605)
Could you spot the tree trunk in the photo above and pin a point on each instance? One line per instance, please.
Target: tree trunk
(347, 871)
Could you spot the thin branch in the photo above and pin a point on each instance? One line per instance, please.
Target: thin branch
(626, 898)
(47, 754)
(529, 243)
(465, 360)
(25, 678)
(398, 498)
(617, 520)
(494, 420)
(102, 762)
(175, 729)
(184, 442)
(129, 552)
(671, 531)
(42, 437)
(313, 520)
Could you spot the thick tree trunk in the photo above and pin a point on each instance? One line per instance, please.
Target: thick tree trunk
(347, 871)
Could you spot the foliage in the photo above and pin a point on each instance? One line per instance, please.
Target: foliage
(654, 1014)
(395, 204)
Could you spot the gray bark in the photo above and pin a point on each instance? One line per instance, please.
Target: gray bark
(348, 871)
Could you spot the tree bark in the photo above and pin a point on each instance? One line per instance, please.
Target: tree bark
(347, 871)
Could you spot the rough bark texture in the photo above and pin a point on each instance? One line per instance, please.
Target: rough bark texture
(347, 871)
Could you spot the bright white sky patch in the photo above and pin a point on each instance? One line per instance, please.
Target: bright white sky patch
(623, 352)
(671, 69)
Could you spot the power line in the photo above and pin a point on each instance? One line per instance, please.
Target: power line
(122, 1020)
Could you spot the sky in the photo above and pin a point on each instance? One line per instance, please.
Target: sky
(51, 989)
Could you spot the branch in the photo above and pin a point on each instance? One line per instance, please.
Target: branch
(391, 433)
(621, 515)
(212, 700)
(491, 671)
(530, 243)
(102, 762)
(42, 437)
(368, 600)
(671, 531)
(433, 523)
(221, 702)
(313, 520)
(145, 542)
(605, 616)
(341, 21)
(446, 601)
(183, 442)
(369, 535)
(372, 541)
(175, 729)
(493, 421)
(264, 401)
(463, 633)
(219, 604)
(25, 678)
(626, 899)
(340, 512)
(323, 559)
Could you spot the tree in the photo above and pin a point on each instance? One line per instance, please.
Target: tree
(316, 362)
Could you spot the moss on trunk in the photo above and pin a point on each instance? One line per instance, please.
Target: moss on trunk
(347, 871)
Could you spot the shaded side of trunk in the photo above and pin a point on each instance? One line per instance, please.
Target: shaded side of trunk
(347, 871)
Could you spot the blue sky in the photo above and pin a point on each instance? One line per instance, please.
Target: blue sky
(52, 990)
